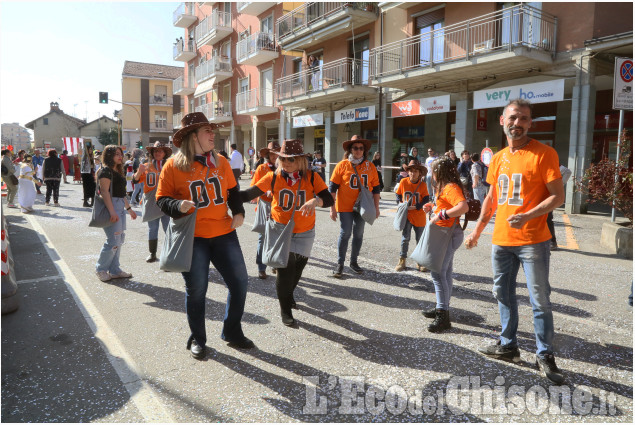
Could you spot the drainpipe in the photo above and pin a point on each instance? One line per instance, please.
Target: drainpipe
(380, 111)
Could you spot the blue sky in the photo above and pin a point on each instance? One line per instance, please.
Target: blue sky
(70, 51)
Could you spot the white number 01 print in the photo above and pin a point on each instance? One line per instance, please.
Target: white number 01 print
(503, 186)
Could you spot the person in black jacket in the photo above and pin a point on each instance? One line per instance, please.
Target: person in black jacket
(52, 172)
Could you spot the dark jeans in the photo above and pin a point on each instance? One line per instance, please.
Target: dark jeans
(89, 185)
(287, 279)
(552, 228)
(237, 172)
(351, 223)
(52, 186)
(225, 254)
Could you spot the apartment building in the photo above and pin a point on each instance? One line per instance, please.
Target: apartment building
(148, 103)
(15, 135)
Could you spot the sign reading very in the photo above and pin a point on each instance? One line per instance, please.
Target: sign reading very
(308, 120)
(548, 91)
(358, 114)
(428, 105)
(623, 84)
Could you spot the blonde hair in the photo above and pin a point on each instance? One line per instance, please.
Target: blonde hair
(302, 165)
(184, 158)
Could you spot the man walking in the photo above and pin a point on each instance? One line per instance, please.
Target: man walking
(525, 182)
(465, 168)
(431, 157)
(479, 175)
(236, 162)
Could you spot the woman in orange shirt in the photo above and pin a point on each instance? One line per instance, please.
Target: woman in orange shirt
(450, 205)
(290, 178)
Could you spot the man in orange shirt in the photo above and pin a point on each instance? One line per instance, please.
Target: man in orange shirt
(525, 185)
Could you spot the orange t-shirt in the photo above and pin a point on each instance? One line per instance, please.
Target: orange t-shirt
(260, 172)
(212, 217)
(150, 177)
(451, 195)
(344, 176)
(284, 199)
(407, 191)
(527, 171)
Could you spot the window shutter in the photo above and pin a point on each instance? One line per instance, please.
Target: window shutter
(430, 18)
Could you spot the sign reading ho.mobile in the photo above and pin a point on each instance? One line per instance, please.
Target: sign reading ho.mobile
(548, 91)
(358, 114)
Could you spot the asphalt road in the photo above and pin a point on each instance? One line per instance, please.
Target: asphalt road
(81, 350)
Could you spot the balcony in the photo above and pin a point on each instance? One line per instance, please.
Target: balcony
(176, 119)
(256, 49)
(161, 100)
(317, 21)
(161, 127)
(180, 88)
(340, 80)
(254, 8)
(515, 38)
(218, 68)
(216, 112)
(255, 102)
(184, 50)
(184, 15)
(213, 28)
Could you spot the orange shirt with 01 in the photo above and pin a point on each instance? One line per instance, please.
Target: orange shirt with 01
(413, 195)
(344, 176)
(260, 172)
(150, 177)
(450, 196)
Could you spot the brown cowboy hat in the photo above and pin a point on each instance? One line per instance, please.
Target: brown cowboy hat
(159, 145)
(271, 147)
(291, 147)
(357, 139)
(189, 123)
(416, 165)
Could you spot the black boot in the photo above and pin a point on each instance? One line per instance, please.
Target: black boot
(86, 203)
(441, 321)
(92, 201)
(152, 244)
(430, 314)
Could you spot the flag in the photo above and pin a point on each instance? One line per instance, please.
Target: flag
(71, 144)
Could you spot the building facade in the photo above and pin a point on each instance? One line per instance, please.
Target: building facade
(50, 128)
(148, 104)
(17, 136)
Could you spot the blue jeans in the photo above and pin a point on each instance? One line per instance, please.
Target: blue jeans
(405, 237)
(506, 261)
(153, 227)
(442, 280)
(138, 191)
(115, 235)
(429, 185)
(350, 223)
(480, 192)
(261, 267)
(225, 254)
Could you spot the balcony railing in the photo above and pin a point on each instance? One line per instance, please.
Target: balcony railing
(161, 99)
(502, 30)
(184, 15)
(257, 42)
(331, 75)
(216, 111)
(183, 50)
(253, 99)
(176, 120)
(305, 15)
(161, 126)
(210, 24)
(208, 69)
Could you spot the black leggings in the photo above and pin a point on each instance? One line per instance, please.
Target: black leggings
(88, 182)
(287, 279)
(52, 186)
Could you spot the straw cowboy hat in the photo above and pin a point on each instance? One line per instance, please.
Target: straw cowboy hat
(189, 123)
(291, 147)
(357, 139)
(416, 165)
(159, 145)
(271, 147)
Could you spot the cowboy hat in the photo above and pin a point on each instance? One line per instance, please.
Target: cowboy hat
(159, 145)
(271, 147)
(291, 147)
(189, 123)
(416, 165)
(357, 139)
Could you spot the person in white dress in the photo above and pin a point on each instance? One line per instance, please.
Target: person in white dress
(26, 189)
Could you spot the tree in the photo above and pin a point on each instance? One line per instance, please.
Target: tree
(600, 184)
(108, 137)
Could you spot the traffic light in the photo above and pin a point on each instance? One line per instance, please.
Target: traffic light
(139, 144)
(103, 97)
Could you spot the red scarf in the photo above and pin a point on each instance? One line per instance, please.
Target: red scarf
(291, 178)
(158, 165)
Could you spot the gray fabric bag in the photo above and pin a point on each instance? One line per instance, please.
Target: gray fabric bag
(365, 204)
(277, 242)
(401, 217)
(149, 208)
(262, 215)
(433, 246)
(100, 216)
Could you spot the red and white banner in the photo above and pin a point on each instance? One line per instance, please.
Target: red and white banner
(71, 144)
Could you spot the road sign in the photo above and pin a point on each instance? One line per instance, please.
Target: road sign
(251, 151)
(486, 156)
(623, 84)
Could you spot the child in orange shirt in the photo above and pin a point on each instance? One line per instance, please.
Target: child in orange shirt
(450, 205)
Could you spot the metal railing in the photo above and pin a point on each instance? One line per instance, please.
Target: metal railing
(181, 46)
(255, 43)
(183, 9)
(241, 5)
(334, 74)
(519, 25)
(211, 22)
(178, 85)
(161, 126)
(310, 12)
(254, 98)
(207, 69)
(216, 109)
(176, 120)
(160, 99)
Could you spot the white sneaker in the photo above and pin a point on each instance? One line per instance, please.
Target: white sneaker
(104, 276)
(121, 275)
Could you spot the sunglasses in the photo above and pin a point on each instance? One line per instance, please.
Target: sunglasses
(357, 148)
(289, 159)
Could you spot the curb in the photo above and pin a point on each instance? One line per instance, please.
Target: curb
(10, 302)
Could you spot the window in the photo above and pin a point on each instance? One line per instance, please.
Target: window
(266, 24)
(430, 28)
(45, 121)
(160, 94)
(360, 52)
(243, 85)
(161, 119)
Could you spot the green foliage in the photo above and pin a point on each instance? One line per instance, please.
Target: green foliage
(108, 137)
(600, 184)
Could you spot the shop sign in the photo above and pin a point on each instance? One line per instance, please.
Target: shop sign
(623, 84)
(319, 132)
(428, 105)
(405, 108)
(308, 120)
(481, 120)
(548, 91)
(357, 114)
